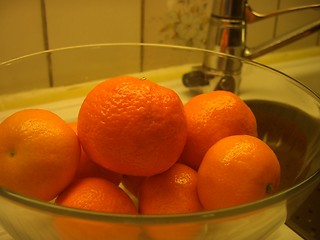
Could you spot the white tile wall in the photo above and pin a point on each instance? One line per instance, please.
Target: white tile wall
(292, 21)
(255, 35)
(20, 34)
(20, 28)
(165, 20)
(78, 22)
(31, 26)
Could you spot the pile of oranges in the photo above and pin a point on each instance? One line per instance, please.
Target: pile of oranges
(137, 149)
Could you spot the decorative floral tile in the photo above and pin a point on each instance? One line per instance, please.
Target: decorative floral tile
(186, 23)
(177, 22)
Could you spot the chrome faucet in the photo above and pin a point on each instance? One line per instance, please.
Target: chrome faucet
(227, 34)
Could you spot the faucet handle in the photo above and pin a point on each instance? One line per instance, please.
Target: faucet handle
(253, 16)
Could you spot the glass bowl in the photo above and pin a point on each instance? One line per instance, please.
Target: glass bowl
(288, 117)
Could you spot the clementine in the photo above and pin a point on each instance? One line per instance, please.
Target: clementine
(132, 183)
(170, 192)
(211, 117)
(85, 229)
(236, 170)
(88, 168)
(96, 194)
(132, 126)
(171, 231)
(39, 153)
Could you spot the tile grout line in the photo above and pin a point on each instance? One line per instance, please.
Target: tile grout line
(276, 20)
(142, 18)
(46, 41)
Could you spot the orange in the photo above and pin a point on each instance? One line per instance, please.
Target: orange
(132, 126)
(84, 229)
(173, 191)
(39, 153)
(96, 194)
(132, 183)
(211, 117)
(88, 168)
(171, 231)
(236, 170)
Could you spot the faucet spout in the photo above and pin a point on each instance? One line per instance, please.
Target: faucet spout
(282, 40)
(253, 16)
(228, 28)
(227, 34)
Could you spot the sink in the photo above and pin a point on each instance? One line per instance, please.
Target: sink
(302, 65)
(306, 71)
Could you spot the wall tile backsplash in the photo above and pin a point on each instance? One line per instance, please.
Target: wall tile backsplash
(20, 28)
(289, 22)
(80, 22)
(76, 22)
(21, 33)
(35, 25)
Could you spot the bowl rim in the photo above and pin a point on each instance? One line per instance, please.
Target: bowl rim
(48, 207)
(202, 216)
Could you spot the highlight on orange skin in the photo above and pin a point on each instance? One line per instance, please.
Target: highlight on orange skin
(173, 191)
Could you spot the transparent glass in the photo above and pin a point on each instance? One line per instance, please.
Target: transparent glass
(288, 116)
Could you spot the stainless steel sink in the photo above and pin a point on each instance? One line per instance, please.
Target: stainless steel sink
(306, 220)
(305, 70)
